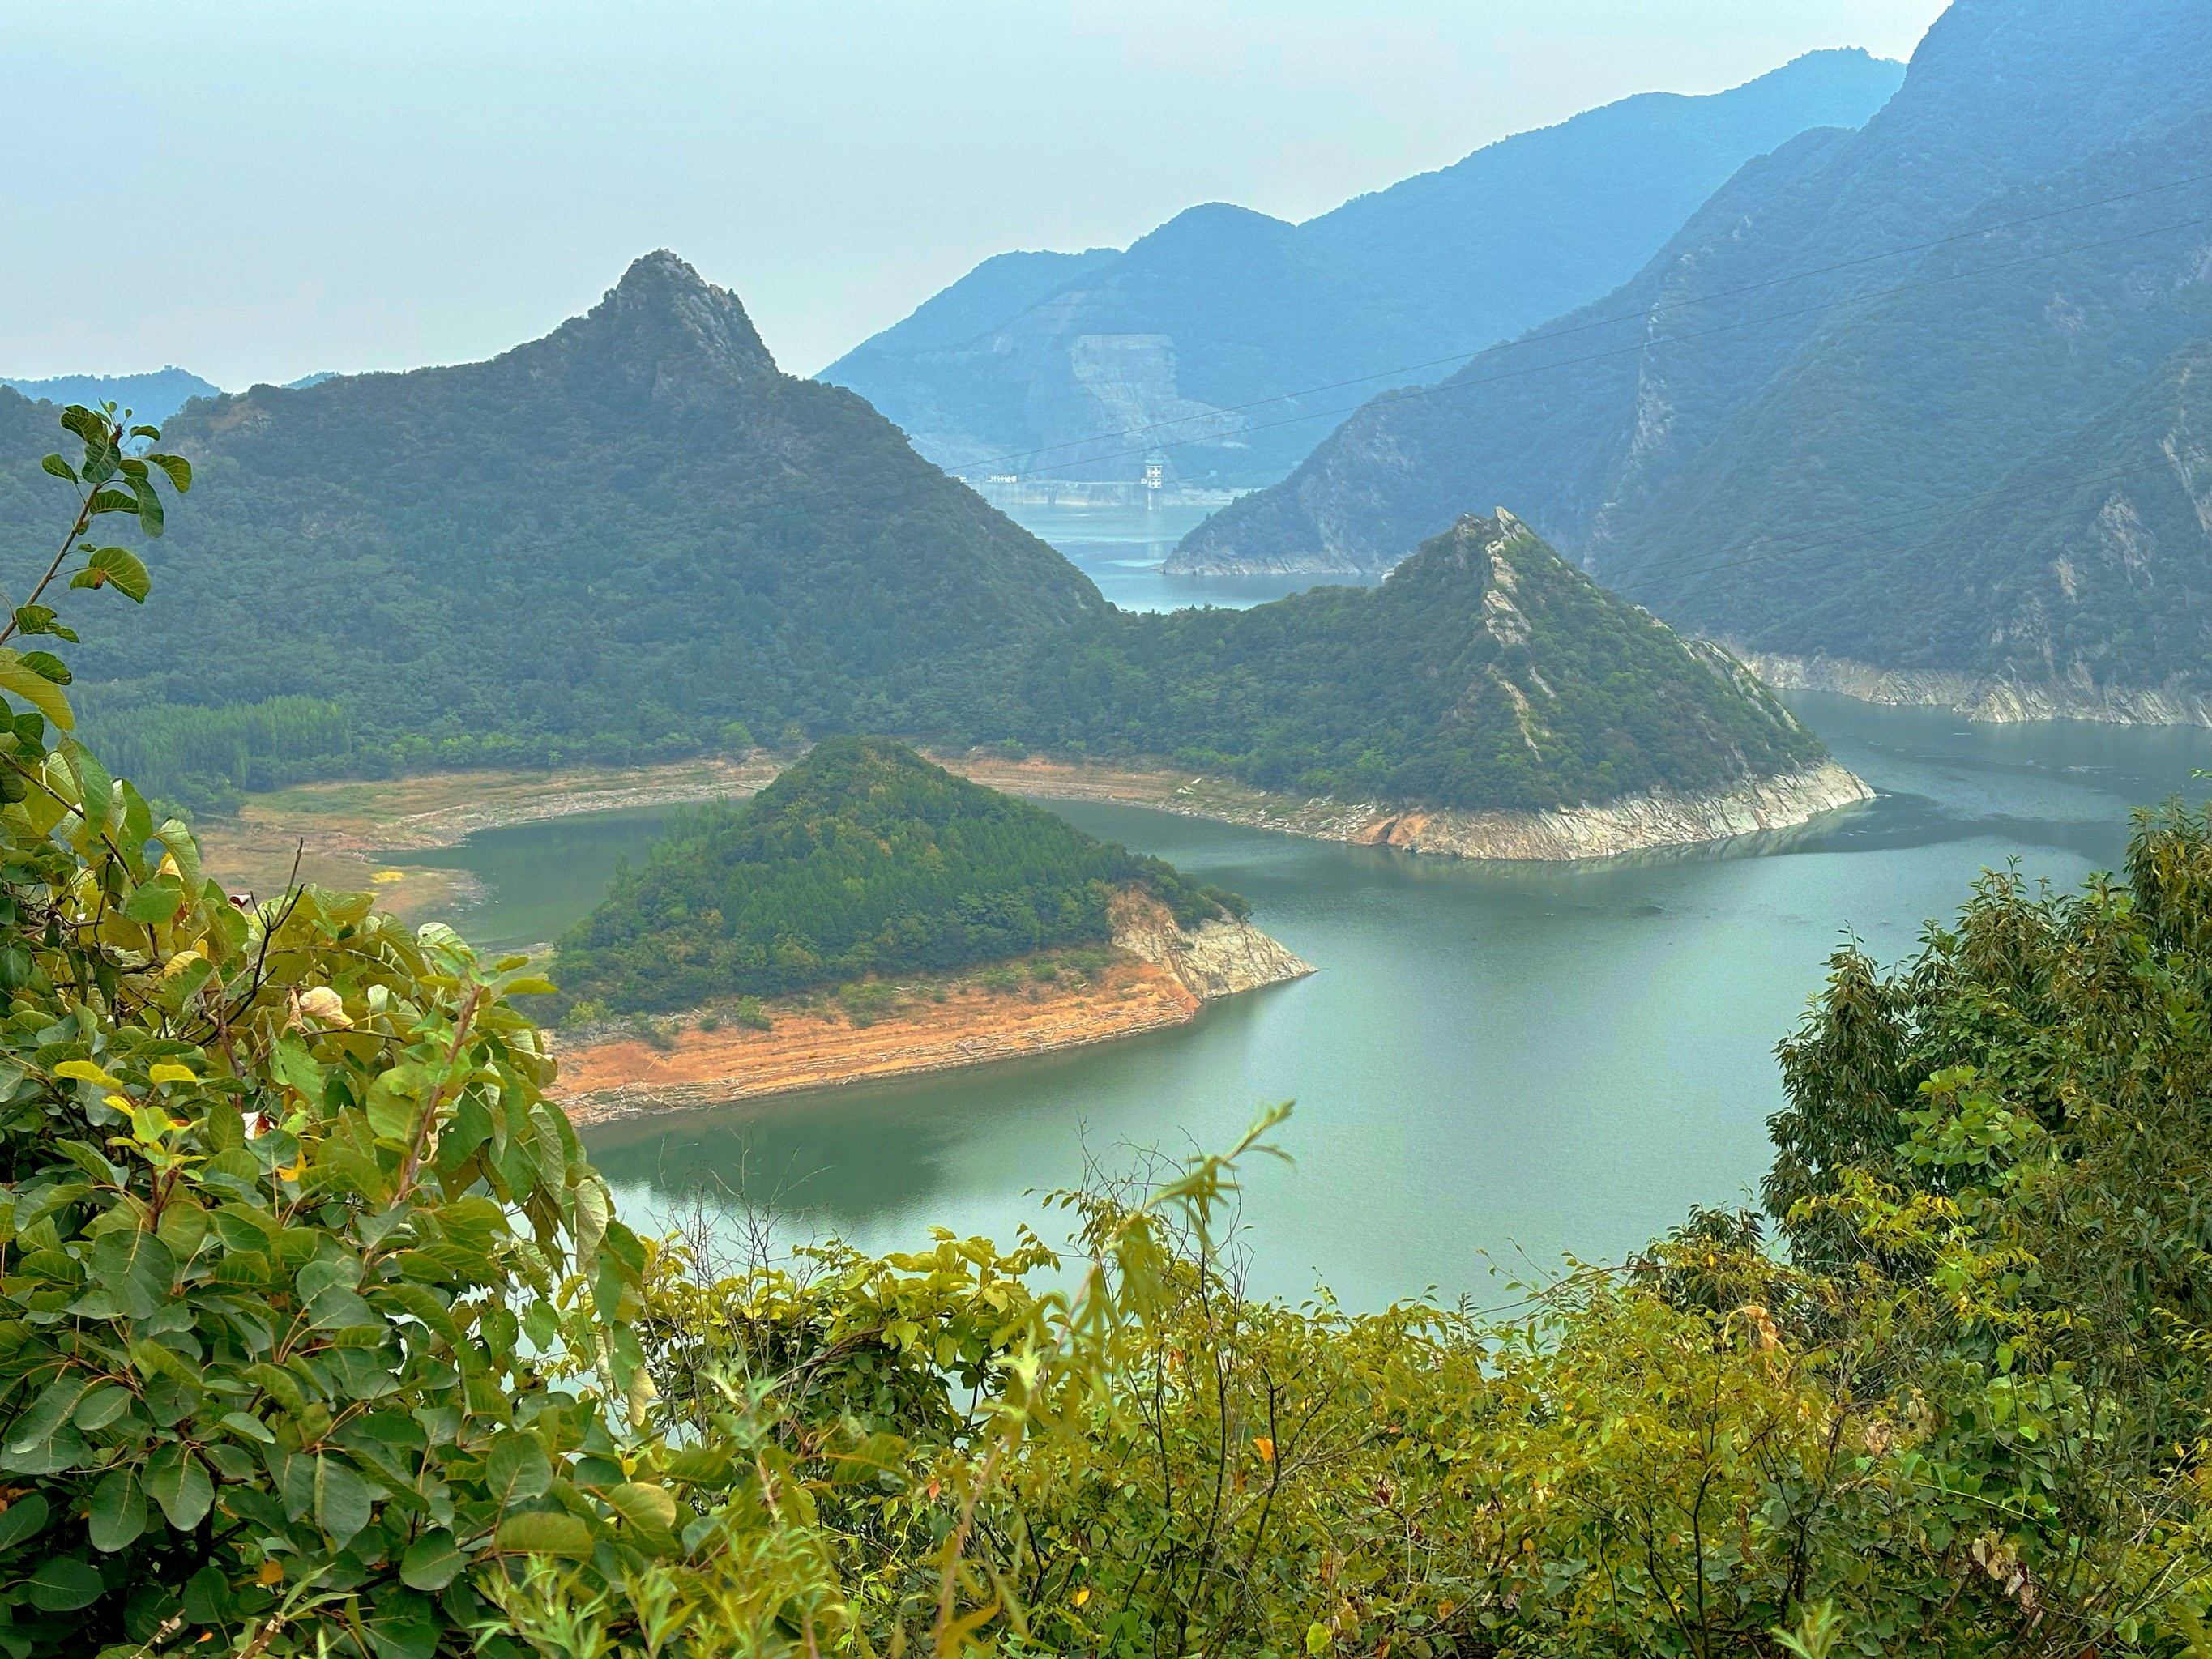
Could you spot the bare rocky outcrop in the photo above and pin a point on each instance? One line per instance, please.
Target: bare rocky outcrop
(1217, 958)
(1994, 698)
(1632, 823)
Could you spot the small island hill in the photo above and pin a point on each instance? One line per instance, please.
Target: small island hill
(871, 915)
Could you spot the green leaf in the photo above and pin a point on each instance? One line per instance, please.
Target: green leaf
(249, 1425)
(432, 1562)
(179, 469)
(150, 517)
(175, 1481)
(649, 1507)
(52, 1408)
(118, 568)
(115, 501)
(343, 1502)
(158, 901)
(102, 1406)
(63, 1584)
(23, 1519)
(95, 789)
(47, 666)
(58, 467)
(137, 1268)
(118, 1512)
(35, 688)
(517, 1470)
(544, 1532)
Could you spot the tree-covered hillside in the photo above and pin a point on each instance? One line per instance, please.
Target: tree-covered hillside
(863, 858)
(1801, 398)
(1221, 306)
(1486, 672)
(607, 543)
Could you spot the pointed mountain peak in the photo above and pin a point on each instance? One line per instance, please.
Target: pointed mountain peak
(666, 331)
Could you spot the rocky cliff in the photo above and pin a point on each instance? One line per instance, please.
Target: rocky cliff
(1996, 699)
(1217, 958)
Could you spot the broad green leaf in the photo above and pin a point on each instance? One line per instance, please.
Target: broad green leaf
(175, 1481)
(118, 1512)
(343, 1502)
(118, 568)
(157, 902)
(650, 1507)
(35, 688)
(102, 1406)
(47, 666)
(137, 1267)
(432, 1562)
(179, 469)
(23, 1519)
(58, 467)
(544, 1532)
(517, 1470)
(53, 1407)
(64, 1584)
(249, 1425)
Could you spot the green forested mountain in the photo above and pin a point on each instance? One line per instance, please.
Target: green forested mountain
(608, 543)
(1484, 673)
(635, 539)
(861, 858)
(1794, 408)
(1182, 332)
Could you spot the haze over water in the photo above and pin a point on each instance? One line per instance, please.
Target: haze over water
(1496, 1062)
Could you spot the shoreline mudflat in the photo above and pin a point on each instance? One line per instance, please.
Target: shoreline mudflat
(609, 1079)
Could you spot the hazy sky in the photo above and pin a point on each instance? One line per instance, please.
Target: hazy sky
(255, 191)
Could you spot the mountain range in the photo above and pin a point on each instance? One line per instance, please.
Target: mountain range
(1928, 395)
(153, 396)
(636, 537)
(615, 540)
(1047, 363)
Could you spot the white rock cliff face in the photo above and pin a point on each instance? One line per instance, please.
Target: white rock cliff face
(1215, 959)
(1980, 696)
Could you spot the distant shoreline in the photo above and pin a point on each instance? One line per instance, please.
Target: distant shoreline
(340, 829)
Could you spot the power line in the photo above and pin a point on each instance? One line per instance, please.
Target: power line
(1581, 328)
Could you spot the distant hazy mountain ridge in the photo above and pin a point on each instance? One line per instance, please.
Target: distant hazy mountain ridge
(153, 396)
(1799, 464)
(1040, 355)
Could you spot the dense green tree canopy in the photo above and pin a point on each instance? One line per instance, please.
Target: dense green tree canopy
(861, 858)
(1486, 672)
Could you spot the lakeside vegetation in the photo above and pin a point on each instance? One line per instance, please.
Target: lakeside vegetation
(861, 859)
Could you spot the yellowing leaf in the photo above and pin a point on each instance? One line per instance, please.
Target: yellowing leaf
(1265, 1447)
(84, 1071)
(168, 1071)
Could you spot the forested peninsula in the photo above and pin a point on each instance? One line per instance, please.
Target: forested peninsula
(637, 540)
(863, 889)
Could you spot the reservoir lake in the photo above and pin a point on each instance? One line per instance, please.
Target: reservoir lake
(1496, 1065)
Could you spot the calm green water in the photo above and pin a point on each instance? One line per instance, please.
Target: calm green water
(1495, 1064)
